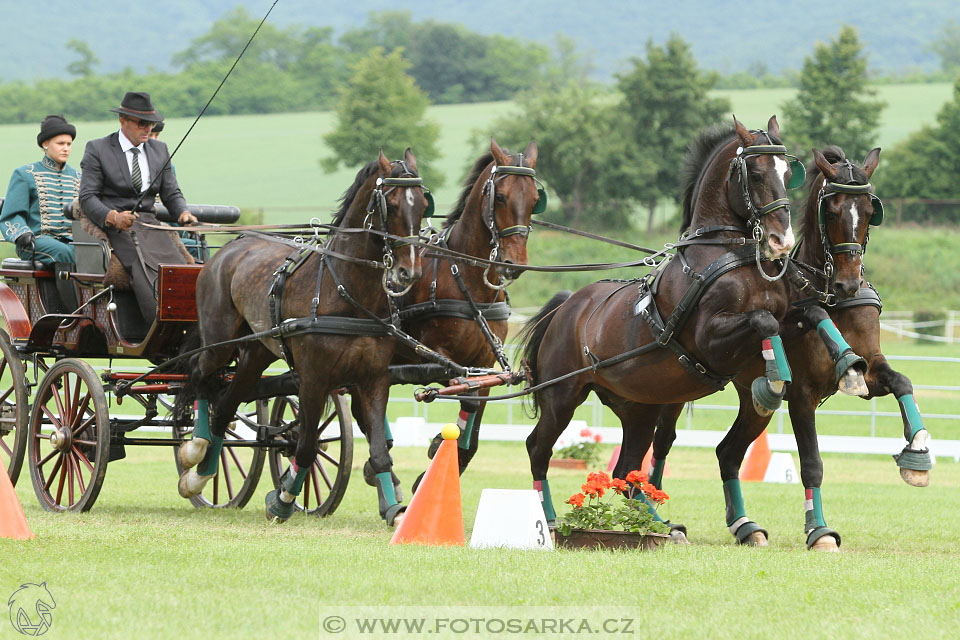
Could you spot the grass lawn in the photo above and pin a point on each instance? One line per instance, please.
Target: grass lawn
(143, 562)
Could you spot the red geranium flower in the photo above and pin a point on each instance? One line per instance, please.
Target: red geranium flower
(576, 500)
(637, 477)
(619, 486)
(600, 478)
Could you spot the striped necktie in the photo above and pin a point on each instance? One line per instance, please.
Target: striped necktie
(135, 172)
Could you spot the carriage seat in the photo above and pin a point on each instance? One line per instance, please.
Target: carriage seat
(23, 265)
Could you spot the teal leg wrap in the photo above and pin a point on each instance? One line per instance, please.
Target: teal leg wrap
(201, 425)
(733, 496)
(656, 473)
(912, 423)
(211, 461)
(832, 338)
(651, 506)
(777, 367)
(815, 526)
(543, 487)
(386, 429)
(295, 485)
(463, 442)
(385, 485)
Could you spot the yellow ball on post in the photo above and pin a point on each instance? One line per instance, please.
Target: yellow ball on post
(450, 431)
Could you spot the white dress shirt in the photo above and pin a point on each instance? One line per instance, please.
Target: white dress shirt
(126, 145)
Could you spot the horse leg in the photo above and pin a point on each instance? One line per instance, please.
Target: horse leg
(914, 461)
(803, 416)
(636, 420)
(557, 405)
(370, 407)
(369, 475)
(848, 366)
(211, 426)
(279, 503)
(730, 453)
(663, 439)
(468, 421)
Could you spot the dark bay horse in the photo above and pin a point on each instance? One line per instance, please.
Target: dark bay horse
(735, 204)
(492, 219)
(334, 341)
(839, 210)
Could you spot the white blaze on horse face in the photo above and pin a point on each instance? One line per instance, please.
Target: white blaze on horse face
(781, 168)
(856, 218)
(410, 197)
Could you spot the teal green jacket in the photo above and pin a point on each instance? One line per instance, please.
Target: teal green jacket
(35, 198)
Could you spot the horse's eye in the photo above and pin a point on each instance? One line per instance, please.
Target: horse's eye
(500, 198)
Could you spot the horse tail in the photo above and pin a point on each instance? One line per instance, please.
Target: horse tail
(531, 337)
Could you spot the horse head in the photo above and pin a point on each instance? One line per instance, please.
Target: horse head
(760, 174)
(403, 203)
(842, 205)
(510, 196)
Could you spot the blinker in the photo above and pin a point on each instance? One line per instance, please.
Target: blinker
(428, 212)
(541, 205)
(798, 173)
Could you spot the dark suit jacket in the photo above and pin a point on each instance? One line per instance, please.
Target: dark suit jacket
(106, 183)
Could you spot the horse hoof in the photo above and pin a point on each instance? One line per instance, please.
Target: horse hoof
(761, 410)
(277, 511)
(191, 483)
(756, 539)
(915, 478)
(825, 543)
(398, 519)
(191, 452)
(853, 383)
(678, 537)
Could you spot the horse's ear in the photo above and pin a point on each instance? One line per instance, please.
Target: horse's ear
(499, 155)
(411, 160)
(384, 163)
(530, 153)
(773, 127)
(746, 139)
(871, 161)
(827, 169)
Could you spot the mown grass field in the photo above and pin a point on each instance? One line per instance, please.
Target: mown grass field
(145, 563)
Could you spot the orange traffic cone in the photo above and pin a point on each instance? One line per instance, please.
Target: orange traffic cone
(435, 515)
(758, 459)
(12, 522)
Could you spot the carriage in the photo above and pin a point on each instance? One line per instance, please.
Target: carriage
(74, 393)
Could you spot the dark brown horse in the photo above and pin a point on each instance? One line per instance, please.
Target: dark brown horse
(490, 220)
(613, 333)
(839, 210)
(237, 296)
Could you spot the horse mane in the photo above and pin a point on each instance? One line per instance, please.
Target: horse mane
(348, 196)
(699, 153)
(468, 182)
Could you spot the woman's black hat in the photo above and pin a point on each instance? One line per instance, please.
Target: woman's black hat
(54, 126)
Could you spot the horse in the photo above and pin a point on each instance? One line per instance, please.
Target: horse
(724, 306)
(839, 210)
(491, 219)
(335, 295)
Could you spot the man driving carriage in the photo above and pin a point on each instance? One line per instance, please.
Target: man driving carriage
(122, 175)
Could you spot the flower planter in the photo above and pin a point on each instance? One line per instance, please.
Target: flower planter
(606, 539)
(568, 463)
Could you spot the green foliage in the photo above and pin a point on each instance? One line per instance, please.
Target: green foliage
(925, 166)
(87, 59)
(947, 46)
(665, 102)
(834, 104)
(382, 108)
(588, 451)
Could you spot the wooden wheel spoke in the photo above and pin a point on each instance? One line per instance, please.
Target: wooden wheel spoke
(53, 473)
(329, 458)
(84, 425)
(227, 481)
(5, 448)
(6, 394)
(49, 455)
(326, 423)
(54, 419)
(75, 411)
(71, 475)
(75, 424)
(315, 481)
(326, 477)
(79, 471)
(236, 460)
(55, 394)
(63, 475)
(83, 457)
(67, 408)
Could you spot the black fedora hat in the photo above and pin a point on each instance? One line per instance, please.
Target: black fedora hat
(136, 104)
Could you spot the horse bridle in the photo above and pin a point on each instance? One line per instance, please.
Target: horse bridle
(378, 204)
(738, 168)
(851, 187)
(488, 214)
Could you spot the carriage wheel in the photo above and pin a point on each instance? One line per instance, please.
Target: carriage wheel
(327, 481)
(240, 467)
(14, 408)
(68, 437)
